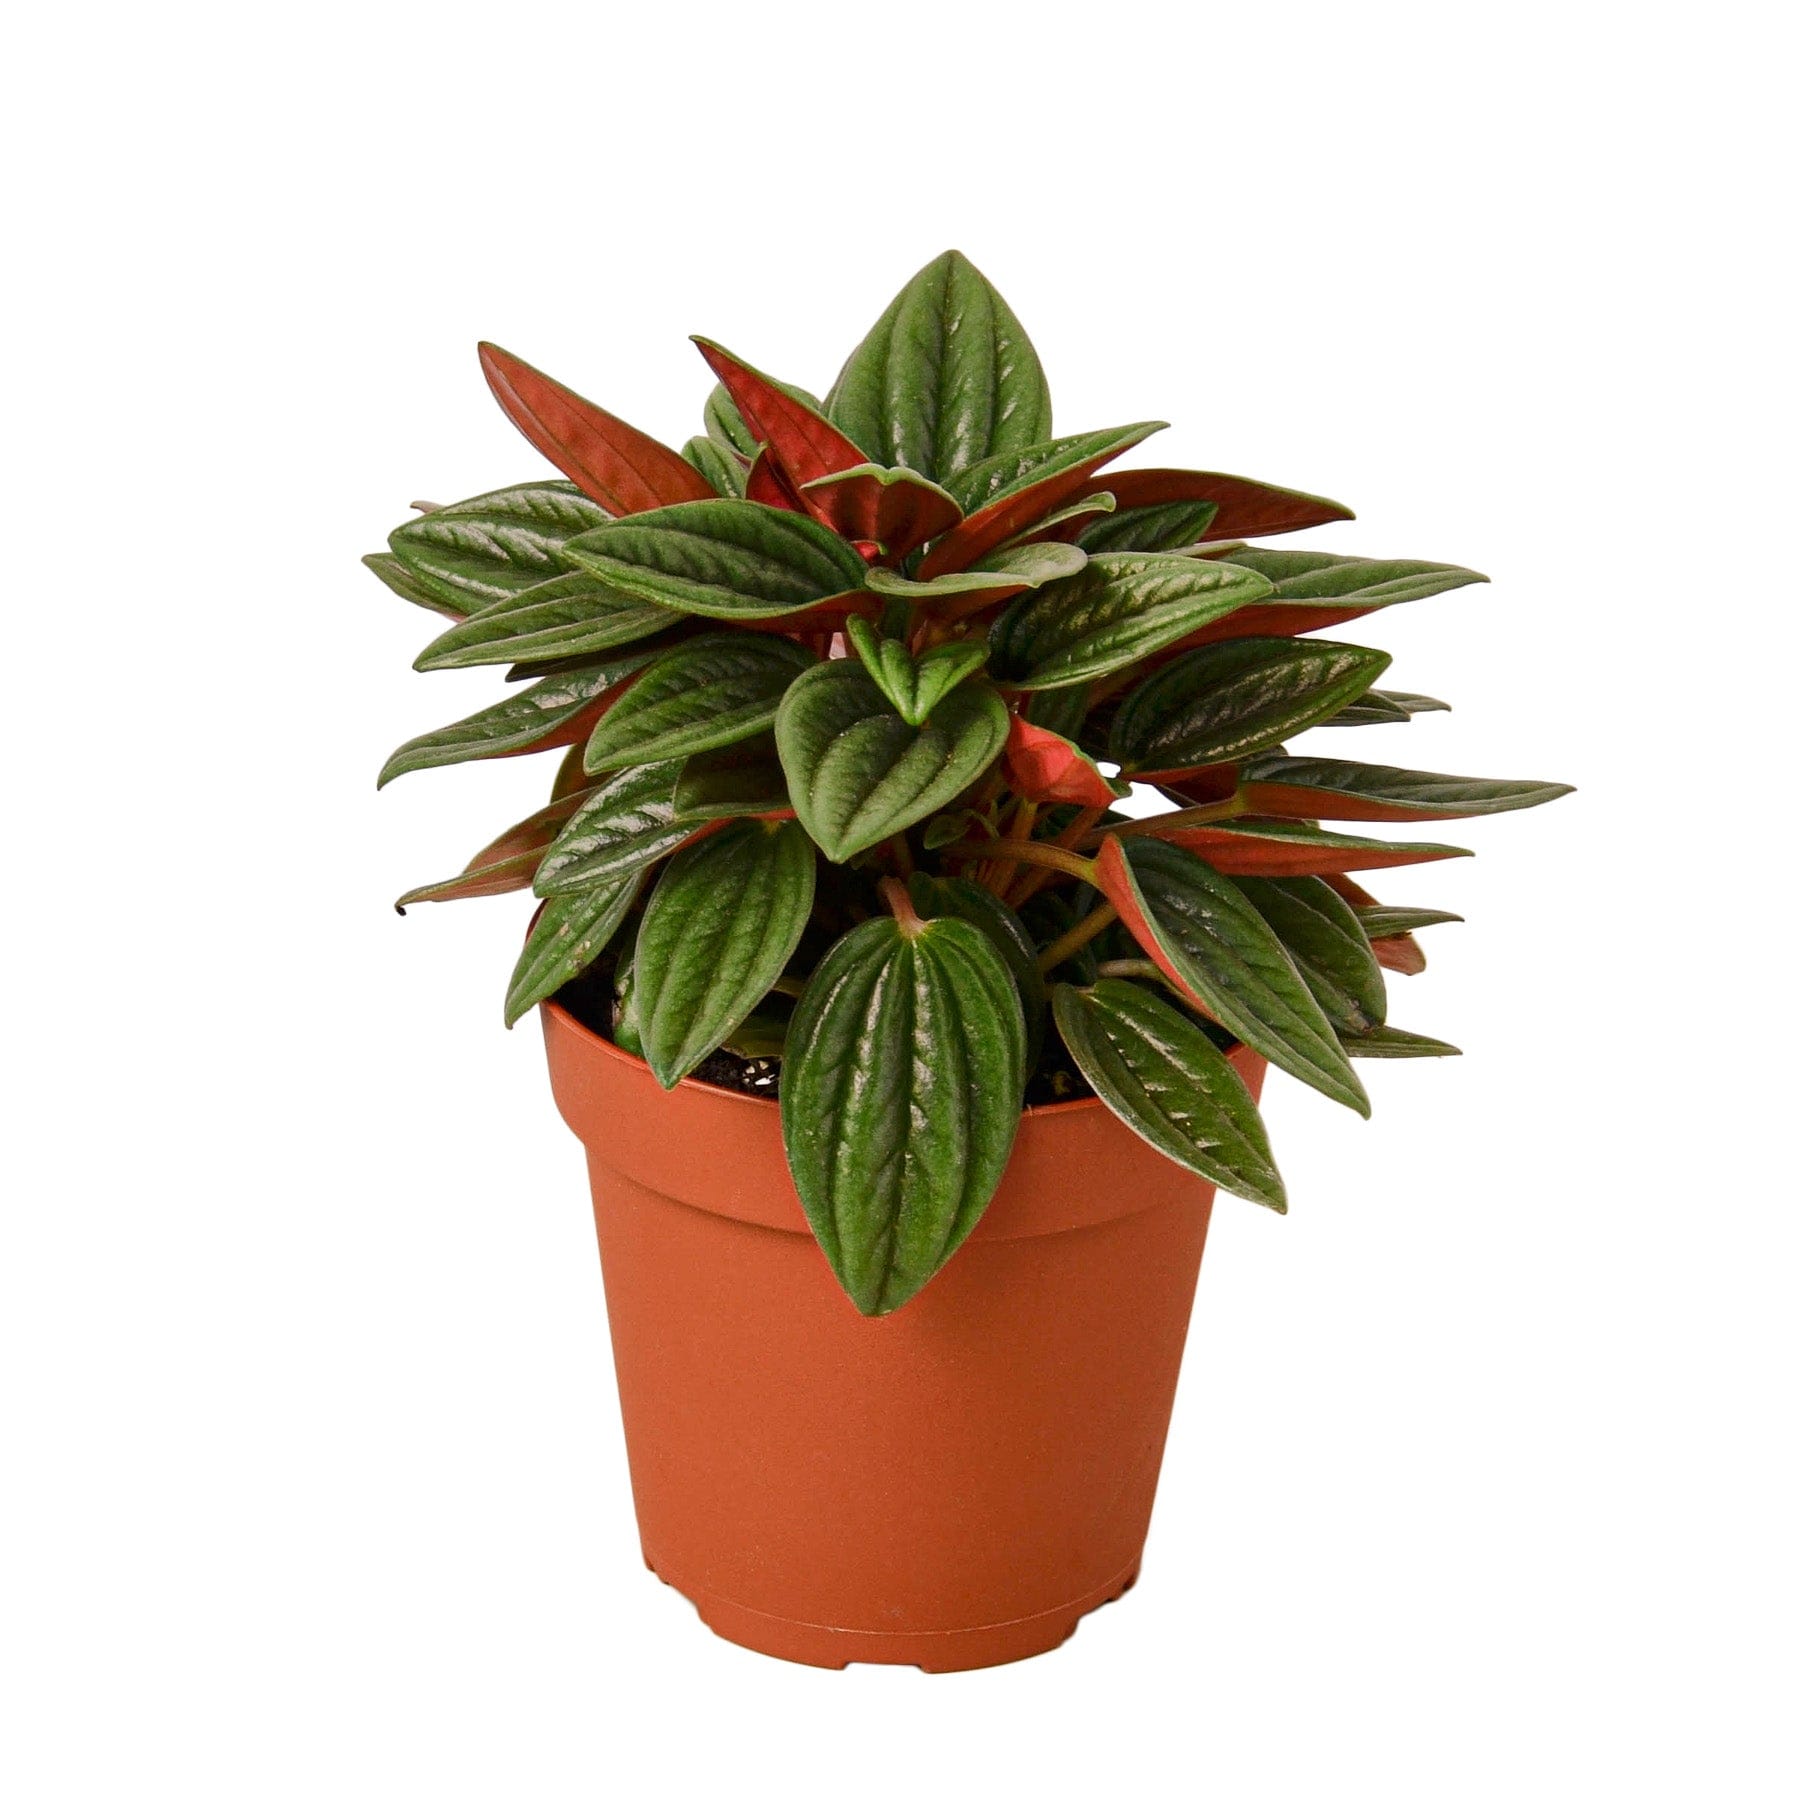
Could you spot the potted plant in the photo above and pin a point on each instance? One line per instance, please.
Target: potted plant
(905, 1060)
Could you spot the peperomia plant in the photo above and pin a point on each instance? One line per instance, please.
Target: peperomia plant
(850, 693)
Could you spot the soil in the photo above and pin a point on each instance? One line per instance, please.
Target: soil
(589, 997)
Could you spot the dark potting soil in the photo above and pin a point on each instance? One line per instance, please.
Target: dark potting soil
(589, 998)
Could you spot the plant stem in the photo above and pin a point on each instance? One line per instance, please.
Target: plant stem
(1066, 839)
(1046, 856)
(902, 854)
(1018, 831)
(899, 903)
(1072, 940)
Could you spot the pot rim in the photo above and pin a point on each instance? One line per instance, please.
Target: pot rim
(609, 1048)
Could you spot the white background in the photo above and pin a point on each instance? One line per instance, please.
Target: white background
(1481, 1478)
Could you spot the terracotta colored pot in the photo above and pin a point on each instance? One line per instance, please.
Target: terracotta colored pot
(954, 1485)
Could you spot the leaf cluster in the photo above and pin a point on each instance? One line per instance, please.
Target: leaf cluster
(848, 693)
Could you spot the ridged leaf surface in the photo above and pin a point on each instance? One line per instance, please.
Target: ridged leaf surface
(1318, 787)
(1231, 700)
(900, 1097)
(1116, 611)
(858, 772)
(1203, 933)
(475, 552)
(726, 915)
(945, 378)
(1167, 1080)
(625, 825)
(726, 559)
(568, 615)
(714, 690)
(1323, 935)
(570, 932)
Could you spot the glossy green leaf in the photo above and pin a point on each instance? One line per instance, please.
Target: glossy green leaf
(709, 691)
(1002, 574)
(1173, 526)
(1323, 935)
(1384, 706)
(1066, 524)
(726, 915)
(1062, 710)
(570, 932)
(1227, 701)
(1317, 787)
(486, 549)
(568, 615)
(1167, 1080)
(1390, 1041)
(951, 897)
(900, 1096)
(1203, 933)
(558, 710)
(622, 468)
(735, 781)
(727, 559)
(625, 825)
(946, 377)
(399, 579)
(1362, 581)
(858, 772)
(1116, 611)
(723, 472)
(1397, 921)
(507, 864)
(913, 684)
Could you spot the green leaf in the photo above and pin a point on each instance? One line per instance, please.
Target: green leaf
(1118, 610)
(1226, 701)
(945, 378)
(951, 897)
(1066, 523)
(1389, 1040)
(725, 425)
(913, 685)
(1323, 935)
(734, 781)
(710, 691)
(401, 580)
(1166, 1079)
(726, 915)
(558, 710)
(1384, 706)
(1002, 574)
(624, 826)
(482, 550)
(1317, 787)
(1175, 525)
(1203, 933)
(1062, 710)
(570, 932)
(1360, 581)
(900, 1096)
(727, 559)
(858, 772)
(722, 470)
(1397, 921)
(568, 615)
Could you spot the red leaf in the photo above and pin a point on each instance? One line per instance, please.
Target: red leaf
(805, 442)
(508, 863)
(1401, 954)
(610, 461)
(1113, 874)
(990, 526)
(768, 485)
(1277, 619)
(1243, 850)
(1274, 800)
(1246, 508)
(1049, 769)
(868, 505)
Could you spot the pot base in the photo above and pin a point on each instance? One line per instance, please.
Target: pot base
(936, 1652)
